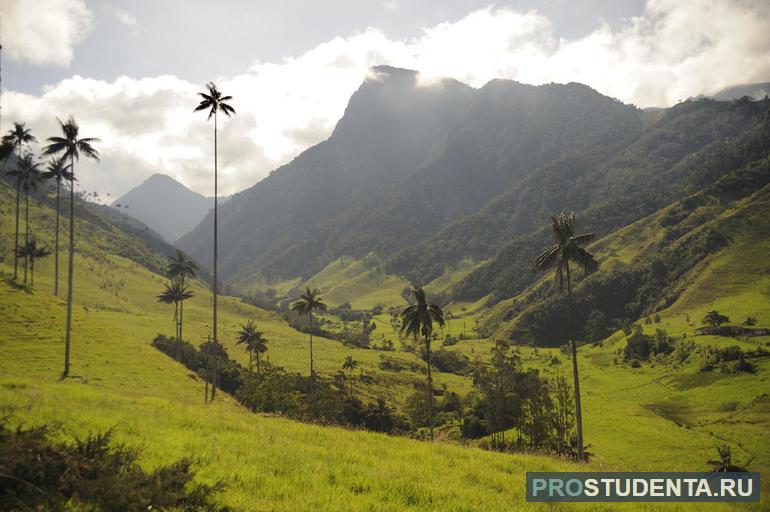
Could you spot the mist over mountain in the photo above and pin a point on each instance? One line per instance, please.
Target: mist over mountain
(166, 206)
(754, 91)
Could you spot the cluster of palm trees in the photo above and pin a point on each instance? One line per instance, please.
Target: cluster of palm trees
(255, 343)
(176, 292)
(65, 150)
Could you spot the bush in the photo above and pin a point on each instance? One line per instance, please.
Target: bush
(91, 474)
(449, 362)
(395, 364)
(640, 346)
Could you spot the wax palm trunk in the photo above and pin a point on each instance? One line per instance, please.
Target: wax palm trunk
(16, 236)
(312, 369)
(70, 272)
(216, 227)
(26, 231)
(578, 408)
(430, 386)
(179, 341)
(56, 241)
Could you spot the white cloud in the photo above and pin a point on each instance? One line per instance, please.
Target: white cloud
(675, 50)
(44, 31)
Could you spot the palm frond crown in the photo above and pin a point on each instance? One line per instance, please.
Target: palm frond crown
(69, 145)
(568, 248)
(418, 319)
(309, 301)
(214, 101)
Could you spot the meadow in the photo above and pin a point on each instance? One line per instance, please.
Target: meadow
(661, 417)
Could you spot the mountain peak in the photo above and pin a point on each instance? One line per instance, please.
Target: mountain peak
(166, 205)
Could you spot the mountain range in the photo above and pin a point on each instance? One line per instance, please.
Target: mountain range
(405, 161)
(418, 180)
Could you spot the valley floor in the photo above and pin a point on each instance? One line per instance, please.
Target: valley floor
(648, 418)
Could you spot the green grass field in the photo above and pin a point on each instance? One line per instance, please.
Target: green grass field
(648, 418)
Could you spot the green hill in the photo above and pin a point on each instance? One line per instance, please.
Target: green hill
(120, 381)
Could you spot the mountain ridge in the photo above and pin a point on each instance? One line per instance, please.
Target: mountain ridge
(404, 154)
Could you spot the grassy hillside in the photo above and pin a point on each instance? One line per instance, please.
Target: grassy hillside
(662, 259)
(691, 147)
(270, 463)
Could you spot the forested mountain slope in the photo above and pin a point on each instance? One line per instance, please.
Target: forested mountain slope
(691, 147)
(648, 266)
(405, 160)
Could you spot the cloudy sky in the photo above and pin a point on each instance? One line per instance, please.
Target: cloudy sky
(129, 70)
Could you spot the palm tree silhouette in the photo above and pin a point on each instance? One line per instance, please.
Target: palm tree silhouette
(417, 320)
(179, 269)
(15, 139)
(31, 251)
(310, 301)
(176, 293)
(214, 102)
(70, 147)
(57, 169)
(569, 248)
(350, 364)
(255, 343)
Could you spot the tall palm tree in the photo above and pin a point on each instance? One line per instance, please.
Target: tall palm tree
(70, 146)
(255, 343)
(58, 170)
(417, 320)
(569, 247)
(176, 293)
(179, 269)
(15, 139)
(29, 178)
(30, 251)
(350, 364)
(214, 102)
(310, 301)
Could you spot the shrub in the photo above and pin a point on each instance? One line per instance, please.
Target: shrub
(91, 474)
(449, 362)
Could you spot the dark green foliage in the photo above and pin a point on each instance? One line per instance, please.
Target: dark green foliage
(596, 327)
(510, 397)
(731, 359)
(450, 362)
(715, 318)
(396, 364)
(94, 473)
(640, 346)
(274, 390)
(750, 321)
